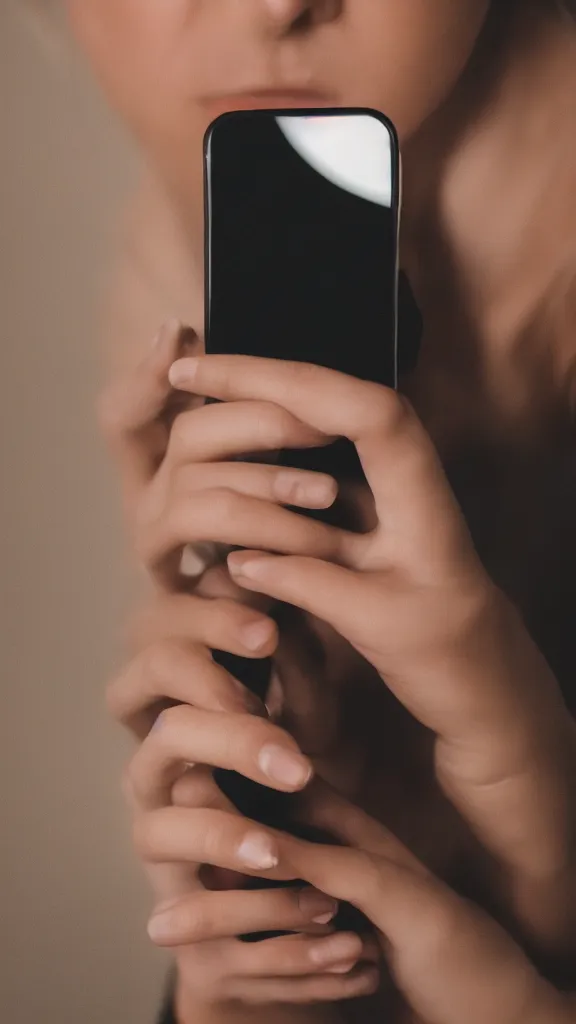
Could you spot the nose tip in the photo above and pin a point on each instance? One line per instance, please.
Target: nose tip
(285, 10)
(289, 13)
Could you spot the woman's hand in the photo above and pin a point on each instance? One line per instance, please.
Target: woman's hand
(183, 489)
(218, 723)
(173, 637)
(448, 960)
(412, 597)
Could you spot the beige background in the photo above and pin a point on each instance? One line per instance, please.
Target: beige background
(73, 905)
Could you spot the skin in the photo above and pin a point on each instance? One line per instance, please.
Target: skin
(159, 63)
(480, 759)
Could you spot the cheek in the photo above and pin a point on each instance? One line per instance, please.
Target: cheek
(140, 52)
(131, 45)
(413, 52)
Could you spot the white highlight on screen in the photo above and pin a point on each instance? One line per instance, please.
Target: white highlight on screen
(352, 151)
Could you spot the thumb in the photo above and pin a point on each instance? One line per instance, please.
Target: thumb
(449, 960)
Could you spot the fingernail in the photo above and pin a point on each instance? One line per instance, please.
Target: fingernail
(284, 766)
(342, 968)
(293, 489)
(162, 926)
(341, 950)
(257, 635)
(317, 907)
(325, 918)
(251, 569)
(183, 371)
(258, 851)
(319, 493)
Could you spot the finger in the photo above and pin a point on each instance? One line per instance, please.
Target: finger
(238, 520)
(131, 408)
(249, 745)
(331, 812)
(217, 623)
(197, 788)
(269, 483)
(176, 672)
(292, 955)
(217, 433)
(450, 961)
(173, 881)
(333, 593)
(174, 835)
(404, 472)
(322, 988)
(205, 916)
(504, 735)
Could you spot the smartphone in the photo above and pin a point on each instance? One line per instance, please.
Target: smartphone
(302, 220)
(302, 212)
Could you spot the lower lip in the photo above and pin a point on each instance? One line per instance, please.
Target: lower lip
(226, 105)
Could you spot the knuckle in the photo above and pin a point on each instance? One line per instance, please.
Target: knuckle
(183, 480)
(195, 789)
(172, 530)
(387, 411)
(146, 833)
(157, 664)
(222, 502)
(167, 721)
(180, 436)
(152, 503)
(274, 427)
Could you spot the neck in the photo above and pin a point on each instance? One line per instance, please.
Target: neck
(488, 190)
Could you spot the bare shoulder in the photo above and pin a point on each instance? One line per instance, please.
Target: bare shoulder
(153, 278)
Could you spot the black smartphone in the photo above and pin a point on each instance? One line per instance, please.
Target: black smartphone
(302, 219)
(301, 263)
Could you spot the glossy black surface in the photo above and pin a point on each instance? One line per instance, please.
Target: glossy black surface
(297, 268)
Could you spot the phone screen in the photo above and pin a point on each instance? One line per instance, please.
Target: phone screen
(301, 241)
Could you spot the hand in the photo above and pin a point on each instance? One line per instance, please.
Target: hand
(412, 597)
(185, 494)
(211, 720)
(173, 666)
(184, 491)
(448, 959)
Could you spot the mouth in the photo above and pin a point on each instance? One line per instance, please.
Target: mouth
(267, 99)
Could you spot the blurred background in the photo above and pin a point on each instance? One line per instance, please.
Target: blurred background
(73, 901)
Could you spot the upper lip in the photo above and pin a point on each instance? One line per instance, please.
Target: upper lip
(285, 94)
